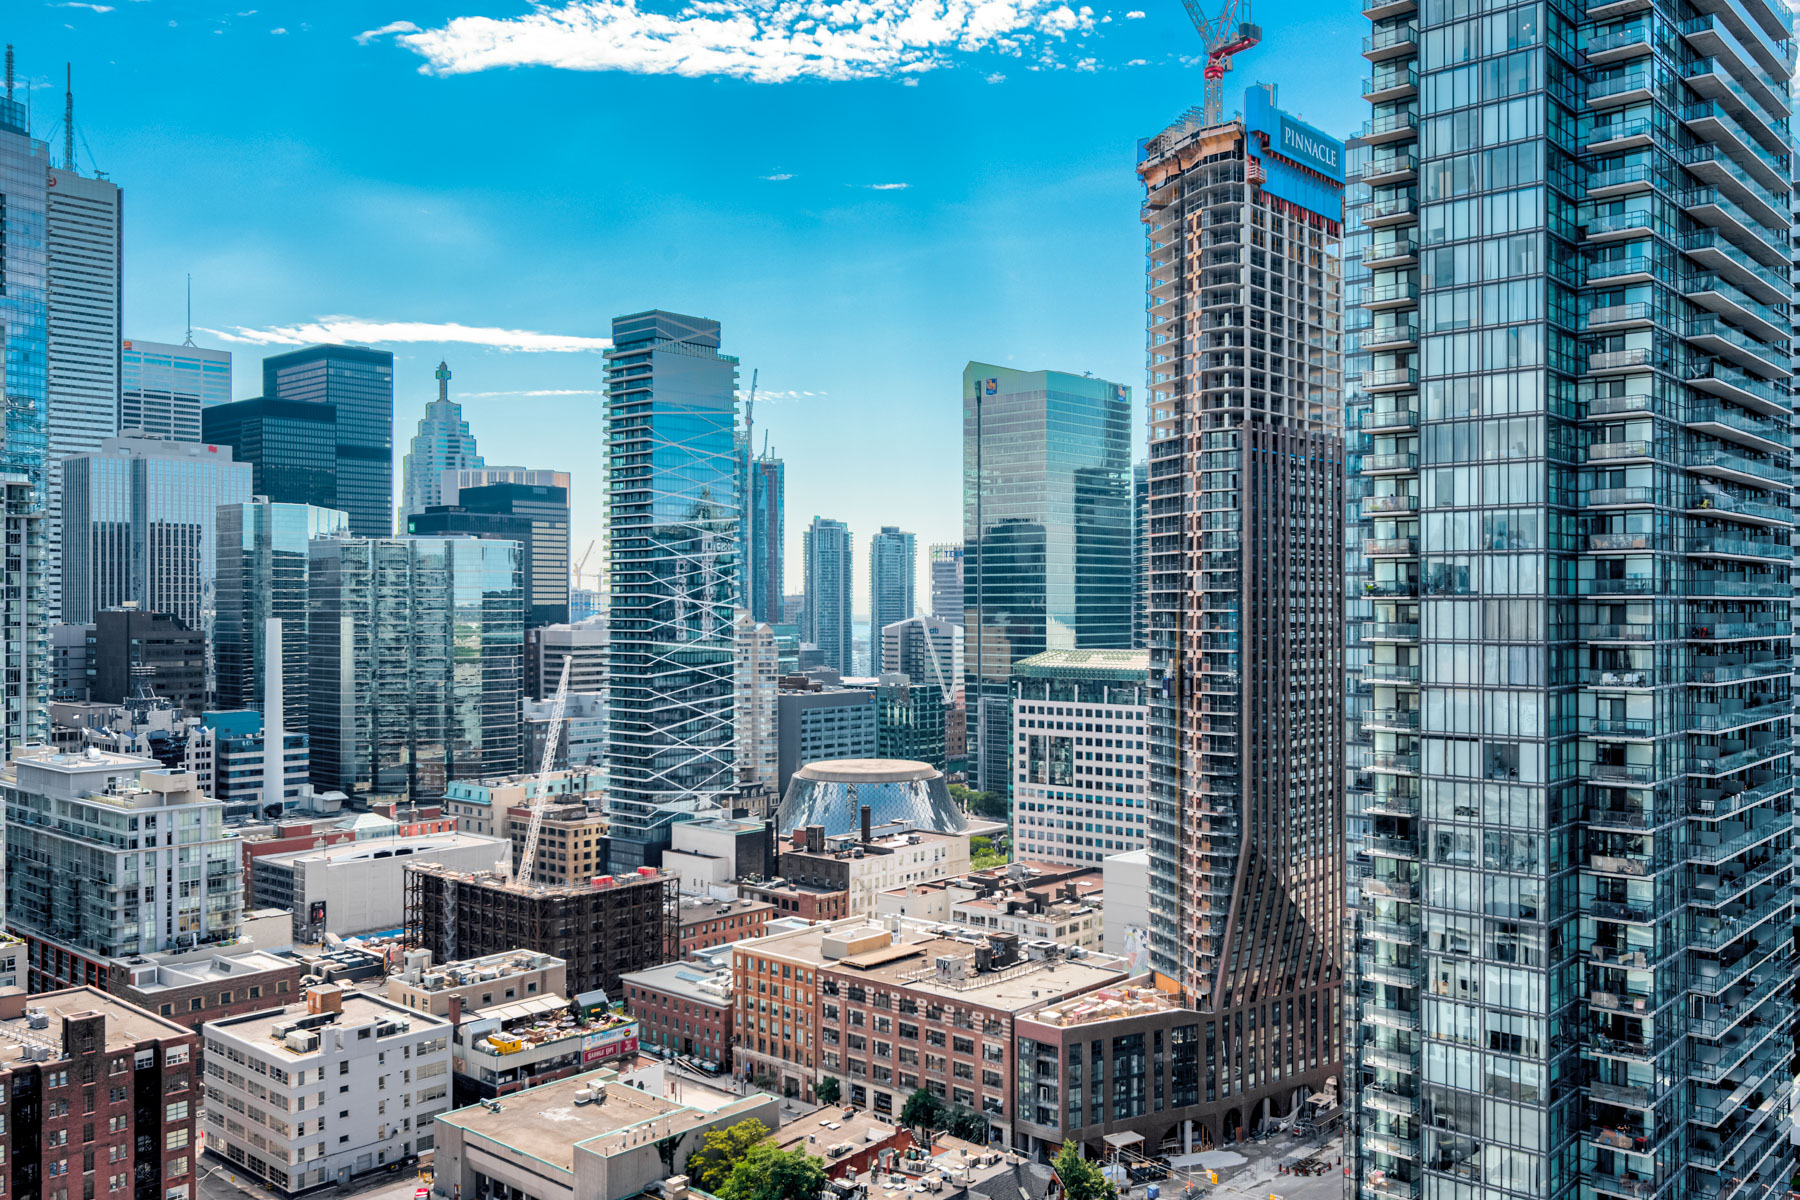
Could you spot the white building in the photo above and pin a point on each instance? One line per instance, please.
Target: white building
(327, 1091)
(360, 887)
(83, 255)
(865, 869)
(1080, 783)
(1036, 902)
(1127, 886)
(756, 689)
(927, 650)
(163, 387)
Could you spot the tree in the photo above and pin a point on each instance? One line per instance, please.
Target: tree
(984, 853)
(768, 1172)
(708, 1166)
(1081, 1179)
(826, 1091)
(966, 1124)
(924, 1114)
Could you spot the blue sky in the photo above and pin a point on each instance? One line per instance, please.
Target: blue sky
(867, 195)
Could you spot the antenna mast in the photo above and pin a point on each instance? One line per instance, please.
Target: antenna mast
(68, 117)
(190, 310)
(9, 72)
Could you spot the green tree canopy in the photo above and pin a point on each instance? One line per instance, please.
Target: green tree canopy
(708, 1166)
(767, 1172)
(1081, 1179)
(826, 1091)
(924, 1114)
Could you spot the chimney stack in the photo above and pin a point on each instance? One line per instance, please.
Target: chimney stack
(456, 1003)
(865, 824)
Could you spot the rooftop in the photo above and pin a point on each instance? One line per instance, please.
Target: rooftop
(491, 879)
(163, 972)
(547, 1122)
(1124, 665)
(868, 770)
(39, 1024)
(486, 969)
(271, 1028)
(387, 847)
(706, 983)
(1105, 1004)
(695, 910)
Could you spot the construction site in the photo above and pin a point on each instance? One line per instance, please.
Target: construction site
(602, 930)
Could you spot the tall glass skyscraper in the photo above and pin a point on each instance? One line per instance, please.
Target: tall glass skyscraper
(163, 388)
(1574, 944)
(443, 443)
(417, 663)
(893, 584)
(827, 620)
(768, 537)
(1046, 535)
(673, 544)
(358, 383)
(1243, 220)
(263, 572)
(291, 446)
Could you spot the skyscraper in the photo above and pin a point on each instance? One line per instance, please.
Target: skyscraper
(1574, 941)
(163, 388)
(358, 384)
(1246, 599)
(83, 255)
(757, 680)
(768, 537)
(947, 582)
(1140, 556)
(534, 515)
(926, 650)
(1046, 534)
(443, 443)
(140, 516)
(416, 666)
(826, 621)
(893, 583)
(264, 571)
(672, 511)
(290, 445)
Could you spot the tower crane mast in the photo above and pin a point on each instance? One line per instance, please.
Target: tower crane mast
(541, 801)
(1225, 35)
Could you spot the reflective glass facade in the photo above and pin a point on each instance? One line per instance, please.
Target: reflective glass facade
(358, 384)
(263, 554)
(826, 621)
(893, 583)
(672, 520)
(24, 174)
(162, 388)
(536, 517)
(1046, 535)
(443, 443)
(768, 537)
(291, 446)
(416, 672)
(1574, 948)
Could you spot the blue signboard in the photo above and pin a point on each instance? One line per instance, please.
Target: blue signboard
(1306, 145)
(1300, 163)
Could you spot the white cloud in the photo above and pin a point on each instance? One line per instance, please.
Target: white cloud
(278, 30)
(1136, 14)
(369, 35)
(783, 177)
(766, 41)
(996, 77)
(535, 392)
(887, 187)
(99, 8)
(356, 329)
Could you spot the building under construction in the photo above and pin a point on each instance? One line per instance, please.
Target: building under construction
(603, 930)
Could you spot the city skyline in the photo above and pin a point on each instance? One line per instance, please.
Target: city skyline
(407, 230)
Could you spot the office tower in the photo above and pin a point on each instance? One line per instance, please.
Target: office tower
(163, 388)
(893, 581)
(947, 582)
(24, 176)
(768, 538)
(926, 650)
(76, 882)
(757, 684)
(452, 482)
(139, 521)
(131, 652)
(826, 620)
(291, 446)
(583, 644)
(443, 443)
(417, 663)
(230, 754)
(1577, 525)
(83, 257)
(1080, 755)
(671, 404)
(1246, 638)
(534, 515)
(358, 385)
(1046, 534)
(1140, 556)
(818, 723)
(585, 604)
(263, 573)
(909, 720)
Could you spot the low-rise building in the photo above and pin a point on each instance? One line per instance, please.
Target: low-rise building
(807, 901)
(92, 1086)
(476, 803)
(326, 1091)
(706, 922)
(1035, 902)
(385, 818)
(359, 886)
(572, 842)
(685, 1008)
(192, 987)
(714, 852)
(451, 990)
(589, 1137)
(865, 864)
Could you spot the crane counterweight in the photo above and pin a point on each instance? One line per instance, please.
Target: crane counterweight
(1226, 35)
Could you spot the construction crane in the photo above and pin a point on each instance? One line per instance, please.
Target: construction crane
(1225, 35)
(586, 554)
(541, 801)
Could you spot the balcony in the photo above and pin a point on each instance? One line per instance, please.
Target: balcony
(1390, 168)
(1376, 506)
(1713, 335)
(1390, 295)
(1389, 464)
(1606, 542)
(1388, 420)
(1630, 42)
(1604, 182)
(1739, 468)
(1750, 429)
(1615, 362)
(1627, 87)
(1632, 451)
(1397, 547)
(1395, 720)
(1395, 83)
(1398, 335)
(1394, 379)
(1613, 136)
(1390, 252)
(1636, 315)
(1393, 41)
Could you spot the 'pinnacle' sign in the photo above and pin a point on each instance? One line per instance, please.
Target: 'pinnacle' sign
(1306, 145)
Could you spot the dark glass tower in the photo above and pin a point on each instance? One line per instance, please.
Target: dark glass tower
(1575, 953)
(358, 384)
(535, 516)
(1046, 535)
(290, 446)
(768, 530)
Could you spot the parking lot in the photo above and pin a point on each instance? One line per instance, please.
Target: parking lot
(1251, 1171)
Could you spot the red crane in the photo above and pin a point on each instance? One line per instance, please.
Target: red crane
(1229, 33)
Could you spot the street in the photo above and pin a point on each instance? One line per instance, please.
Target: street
(222, 1181)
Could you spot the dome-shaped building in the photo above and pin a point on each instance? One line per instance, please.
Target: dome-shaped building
(896, 791)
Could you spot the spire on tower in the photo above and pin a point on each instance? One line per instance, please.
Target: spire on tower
(443, 378)
(68, 117)
(9, 71)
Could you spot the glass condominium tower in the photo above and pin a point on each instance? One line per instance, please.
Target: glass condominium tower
(673, 545)
(1573, 945)
(1245, 475)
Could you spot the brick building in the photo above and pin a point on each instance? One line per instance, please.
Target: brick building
(99, 1098)
(686, 1007)
(706, 923)
(804, 900)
